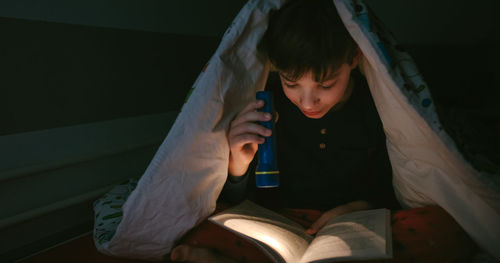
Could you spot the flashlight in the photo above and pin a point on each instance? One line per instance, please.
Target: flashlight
(267, 173)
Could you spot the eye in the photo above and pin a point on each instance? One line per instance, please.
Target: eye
(289, 85)
(329, 86)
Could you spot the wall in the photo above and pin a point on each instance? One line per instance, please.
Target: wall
(65, 63)
(444, 22)
(88, 91)
(413, 22)
(187, 17)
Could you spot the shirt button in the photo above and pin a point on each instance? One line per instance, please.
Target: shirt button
(322, 145)
(323, 131)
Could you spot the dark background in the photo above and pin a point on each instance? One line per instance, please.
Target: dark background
(67, 63)
(64, 63)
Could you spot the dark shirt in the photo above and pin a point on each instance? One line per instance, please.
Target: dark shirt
(325, 162)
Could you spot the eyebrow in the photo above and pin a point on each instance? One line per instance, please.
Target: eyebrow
(330, 77)
(285, 77)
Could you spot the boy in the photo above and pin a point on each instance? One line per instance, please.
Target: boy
(331, 144)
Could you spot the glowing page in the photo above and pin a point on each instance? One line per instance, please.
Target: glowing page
(286, 238)
(356, 236)
(359, 235)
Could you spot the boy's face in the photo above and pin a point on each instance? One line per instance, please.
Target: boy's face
(313, 98)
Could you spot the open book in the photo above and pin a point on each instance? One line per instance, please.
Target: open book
(359, 235)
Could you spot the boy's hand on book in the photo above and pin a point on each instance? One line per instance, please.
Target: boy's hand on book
(337, 211)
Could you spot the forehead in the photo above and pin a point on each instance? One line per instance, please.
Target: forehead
(318, 77)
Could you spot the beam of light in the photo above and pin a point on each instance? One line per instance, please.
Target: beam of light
(288, 244)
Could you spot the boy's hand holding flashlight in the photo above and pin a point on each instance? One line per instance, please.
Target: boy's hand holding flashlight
(245, 134)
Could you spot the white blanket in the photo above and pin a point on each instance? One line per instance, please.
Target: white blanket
(181, 185)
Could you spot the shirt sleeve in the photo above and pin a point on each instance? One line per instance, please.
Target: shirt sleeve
(235, 188)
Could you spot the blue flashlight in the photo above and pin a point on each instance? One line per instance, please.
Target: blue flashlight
(267, 173)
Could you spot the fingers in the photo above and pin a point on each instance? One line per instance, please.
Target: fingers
(242, 141)
(252, 106)
(316, 226)
(245, 134)
(313, 229)
(337, 211)
(244, 128)
(249, 128)
(250, 114)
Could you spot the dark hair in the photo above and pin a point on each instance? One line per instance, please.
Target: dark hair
(307, 35)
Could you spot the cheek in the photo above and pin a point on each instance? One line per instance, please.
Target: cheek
(291, 94)
(333, 96)
(336, 93)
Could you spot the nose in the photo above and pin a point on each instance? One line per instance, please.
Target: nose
(309, 100)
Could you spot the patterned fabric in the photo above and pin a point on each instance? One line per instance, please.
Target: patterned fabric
(398, 61)
(465, 130)
(108, 211)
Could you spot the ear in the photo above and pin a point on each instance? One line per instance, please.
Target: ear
(356, 59)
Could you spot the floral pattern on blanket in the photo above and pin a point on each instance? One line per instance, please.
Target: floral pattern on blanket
(470, 130)
(108, 210)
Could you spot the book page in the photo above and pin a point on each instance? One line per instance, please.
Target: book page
(355, 236)
(281, 234)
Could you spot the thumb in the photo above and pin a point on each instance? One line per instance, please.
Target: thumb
(313, 229)
(321, 221)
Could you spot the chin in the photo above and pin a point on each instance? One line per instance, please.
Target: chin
(316, 118)
(318, 115)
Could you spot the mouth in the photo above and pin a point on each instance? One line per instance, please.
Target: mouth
(311, 114)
